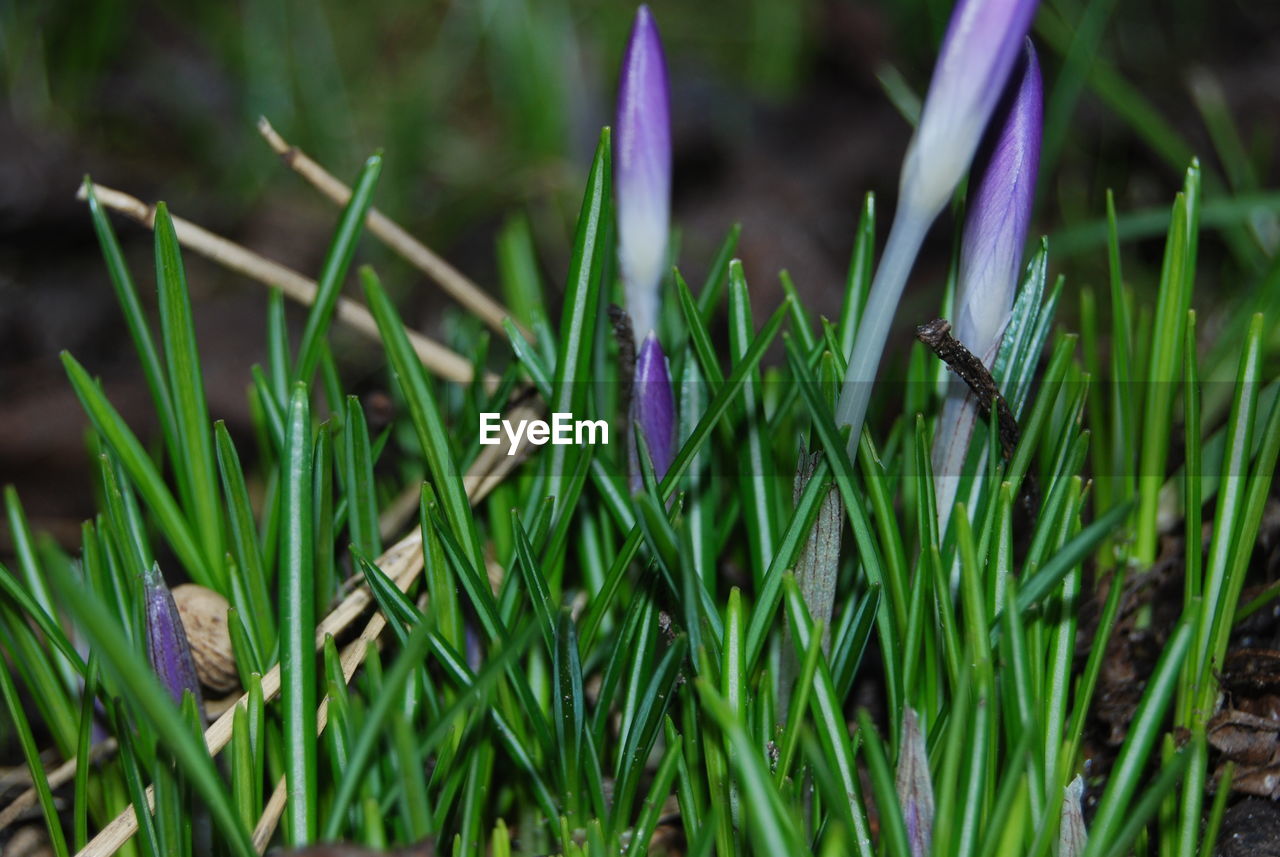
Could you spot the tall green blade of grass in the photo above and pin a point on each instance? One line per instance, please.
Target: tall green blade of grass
(362, 507)
(569, 709)
(1164, 366)
(191, 410)
(1128, 772)
(755, 476)
(323, 512)
(1121, 419)
(772, 826)
(861, 266)
(26, 739)
(141, 469)
(427, 418)
(257, 608)
(1257, 489)
(334, 270)
(578, 320)
(298, 624)
(136, 319)
(1217, 611)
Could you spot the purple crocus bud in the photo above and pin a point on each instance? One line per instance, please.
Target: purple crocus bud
(653, 409)
(982, 43)
(914, 786)
(999, 211)
(995, 231)
(167, 647)
(642, 171)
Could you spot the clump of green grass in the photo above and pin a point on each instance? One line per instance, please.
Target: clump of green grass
(567, 666)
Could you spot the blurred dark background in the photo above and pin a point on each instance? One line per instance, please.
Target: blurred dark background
(786, 112)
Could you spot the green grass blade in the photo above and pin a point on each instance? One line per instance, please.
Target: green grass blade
(861, 266)
(186, 385)
(772, 827)
(18, 719)
(142, 471)
(244, 541)
(578, 321)
(713, 286)
(298, 623)
(334, 270)
(755, 478)
(1128, 772)
(428, 420)
(568, 707)
(136, 319)
(1164, 365)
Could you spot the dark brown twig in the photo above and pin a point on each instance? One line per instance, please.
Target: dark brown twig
(937, 335)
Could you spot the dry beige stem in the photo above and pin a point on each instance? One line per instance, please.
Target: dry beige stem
(453, 281)
(444, 362)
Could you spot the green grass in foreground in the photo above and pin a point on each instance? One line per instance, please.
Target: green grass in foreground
(614, 677)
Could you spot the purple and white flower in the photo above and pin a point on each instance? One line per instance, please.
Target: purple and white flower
(982, 44)
(642, 172)
(997, 220)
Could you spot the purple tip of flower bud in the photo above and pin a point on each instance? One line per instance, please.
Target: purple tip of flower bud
(642, 170)
(999, 210)
(167, 647)
(914, 786)
(983, 40)
(653, 409)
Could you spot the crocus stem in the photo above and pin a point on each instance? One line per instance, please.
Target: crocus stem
(905, 238)
(951, 448)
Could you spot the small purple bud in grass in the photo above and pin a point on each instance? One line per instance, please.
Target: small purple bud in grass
(653, 409)
(167, 646)
(642, 171)
(982, 43)
(997, 219)
(914, 787)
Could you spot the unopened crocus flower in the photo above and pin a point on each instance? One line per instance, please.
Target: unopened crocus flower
(642, 172)
(982, 43)
(167, 647)
(642, 187)
(914, 786)
(653, 411)
(995, 231)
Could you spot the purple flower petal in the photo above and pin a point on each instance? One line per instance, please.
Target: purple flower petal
(642, 171)
(999, 210)
(982, 44)
(1002, 190)
(653, 409)
(167, 647)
